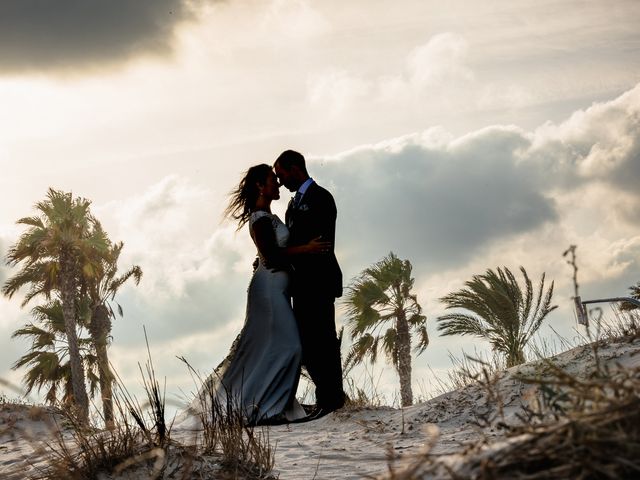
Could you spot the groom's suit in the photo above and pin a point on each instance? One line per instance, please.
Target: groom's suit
(317, 281)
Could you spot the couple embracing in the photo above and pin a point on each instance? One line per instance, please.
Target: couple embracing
(290, 316)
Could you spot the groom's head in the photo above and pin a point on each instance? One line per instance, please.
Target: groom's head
(291, 169)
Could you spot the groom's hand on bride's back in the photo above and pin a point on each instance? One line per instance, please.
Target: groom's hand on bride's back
(318, 245)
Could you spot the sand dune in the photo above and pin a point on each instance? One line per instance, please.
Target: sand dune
(356, 443)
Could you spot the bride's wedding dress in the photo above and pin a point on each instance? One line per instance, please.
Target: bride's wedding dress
(260, 374)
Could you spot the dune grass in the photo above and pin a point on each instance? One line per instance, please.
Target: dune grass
(140, 443)
(244, 450)
(583, 425)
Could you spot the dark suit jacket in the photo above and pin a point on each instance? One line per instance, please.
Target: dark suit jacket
(314, 274)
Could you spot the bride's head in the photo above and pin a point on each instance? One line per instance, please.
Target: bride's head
(258, 181)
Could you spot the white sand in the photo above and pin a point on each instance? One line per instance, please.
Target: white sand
(350, 444)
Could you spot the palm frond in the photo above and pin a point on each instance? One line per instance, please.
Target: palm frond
(462, 324)
(502, 311)
(390, 345)
(423, 340)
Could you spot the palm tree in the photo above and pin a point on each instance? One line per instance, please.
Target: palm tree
(635, 293)
(500, 311)
(57, 249)
(101, 287)
(380, 296)
(47, 360)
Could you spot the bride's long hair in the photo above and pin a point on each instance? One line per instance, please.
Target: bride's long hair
(243, 198)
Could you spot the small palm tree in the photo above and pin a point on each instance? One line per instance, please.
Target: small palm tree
(381, 297)
(57, 249)
(101, 288)
(635, 293)
(47, 360)
(501, 311)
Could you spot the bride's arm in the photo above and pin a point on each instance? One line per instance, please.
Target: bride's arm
(267, 244)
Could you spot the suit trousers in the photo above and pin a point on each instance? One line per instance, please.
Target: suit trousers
(320, 347)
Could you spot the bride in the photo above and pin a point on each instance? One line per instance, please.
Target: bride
(260, 375)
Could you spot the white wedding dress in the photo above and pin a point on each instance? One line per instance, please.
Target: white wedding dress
(260, 374)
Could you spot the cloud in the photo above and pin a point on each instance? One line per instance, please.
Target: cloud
(624, 255)
(440, 60)
(449, 203)
(336, 89)
(437, 203)
(614, 154)
(511, 96)
(195, 275)
(429, 70)
(295, 19)
(597, 145)
(71, 34)
(436, 66)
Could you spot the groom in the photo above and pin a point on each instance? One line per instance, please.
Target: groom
(317, 280)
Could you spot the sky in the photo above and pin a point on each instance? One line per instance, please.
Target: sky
(460, 135)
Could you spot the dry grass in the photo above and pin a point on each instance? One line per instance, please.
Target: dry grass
(365, 396)
(469, 369)
(139, 444)
(585, 427)
(244, 450)
(82, 452)
(139, 438)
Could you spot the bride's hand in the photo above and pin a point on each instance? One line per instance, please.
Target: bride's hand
(317, 245)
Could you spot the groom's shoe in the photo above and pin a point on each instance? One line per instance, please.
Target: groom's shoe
(320, 412)
(308, 409)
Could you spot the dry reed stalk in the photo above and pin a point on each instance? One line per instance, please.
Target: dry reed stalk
(245, 450)
(138, 438)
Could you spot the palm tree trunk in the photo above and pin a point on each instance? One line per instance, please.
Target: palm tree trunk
(515, 356)
(67, 291)
(404, 359)
(99, 329)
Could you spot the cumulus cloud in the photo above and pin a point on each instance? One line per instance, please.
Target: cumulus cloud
(428, 71)
(498, 196)
(624, 254)
(443, 201)
(195, 273)
(437, 203)
(440, 60)
(614, 155)
(336, 89)
(71, 34)
(438, 64)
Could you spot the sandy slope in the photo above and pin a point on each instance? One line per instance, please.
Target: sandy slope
(353, 444)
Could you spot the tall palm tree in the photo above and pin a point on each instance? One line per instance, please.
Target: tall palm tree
(47, 360)
(501, 311)
(57, 249)
(101, 288)
(381, 298)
